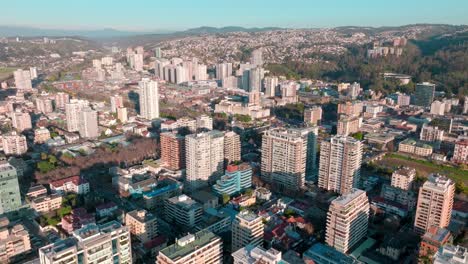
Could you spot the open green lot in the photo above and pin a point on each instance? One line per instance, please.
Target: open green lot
(424, 168)
(6, 72)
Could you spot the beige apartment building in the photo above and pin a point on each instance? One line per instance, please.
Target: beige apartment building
(13, 240)
(142, 225)
(232, 147)
(348, 125)
(403, 178)
(351, 108)
(46, 203)
(340, 163)
(284, 156)
(204, 156)
(247, 228)
(435, 201)
(347, 220)
(313, 115)
(14, 144)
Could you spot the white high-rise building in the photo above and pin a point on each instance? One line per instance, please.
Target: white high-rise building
(107, 61)
(61, 99)
(257, 57)
(22, 79)
(286, 153)
(116, 102)
(181, 73)
(33, 72)
(21, 121)
(223, 70)
(122, 114)
(204, 155)
(157, 52)
(149, 99)
(347, 220)
(340, 164)
(88, 125)
(438, 108)
(200, 74)
(159, 67)
(204, 122)
(44, 105)
(232, 147)
(271, 84)
(465, 105)
(72, 113)
(255, 79)
(14, 144)
(138, 62)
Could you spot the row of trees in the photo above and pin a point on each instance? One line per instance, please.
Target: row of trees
(138, 150)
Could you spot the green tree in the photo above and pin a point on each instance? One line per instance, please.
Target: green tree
(63, 211)
(226, 198)
(45, 166)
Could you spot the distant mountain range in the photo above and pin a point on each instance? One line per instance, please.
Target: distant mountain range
(19, 31)
(109, 33)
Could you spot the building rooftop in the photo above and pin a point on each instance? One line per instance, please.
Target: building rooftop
(141, 216)
(5, 166)
(76, 180)
(346, 198)
(406, 171)
(248, 216)
(188, 244)
(436, 234)
(329, 253)
(184, 201)
(438, 181)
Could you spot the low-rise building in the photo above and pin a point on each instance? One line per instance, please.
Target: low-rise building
(417, 148)
(433, 239)
(36, 191)
(41, 135)
(78, 218)
(73, 184)
(251, 254)
(201, 247)
(46, 203)
(451, 254)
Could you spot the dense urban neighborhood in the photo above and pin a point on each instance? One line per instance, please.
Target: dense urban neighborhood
(228, 145)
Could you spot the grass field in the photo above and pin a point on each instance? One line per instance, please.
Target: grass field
(6, 72)
(424, 168)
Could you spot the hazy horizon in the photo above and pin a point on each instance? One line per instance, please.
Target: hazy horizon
(148, 16)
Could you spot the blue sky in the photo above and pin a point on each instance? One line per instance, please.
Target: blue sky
(182, 14)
